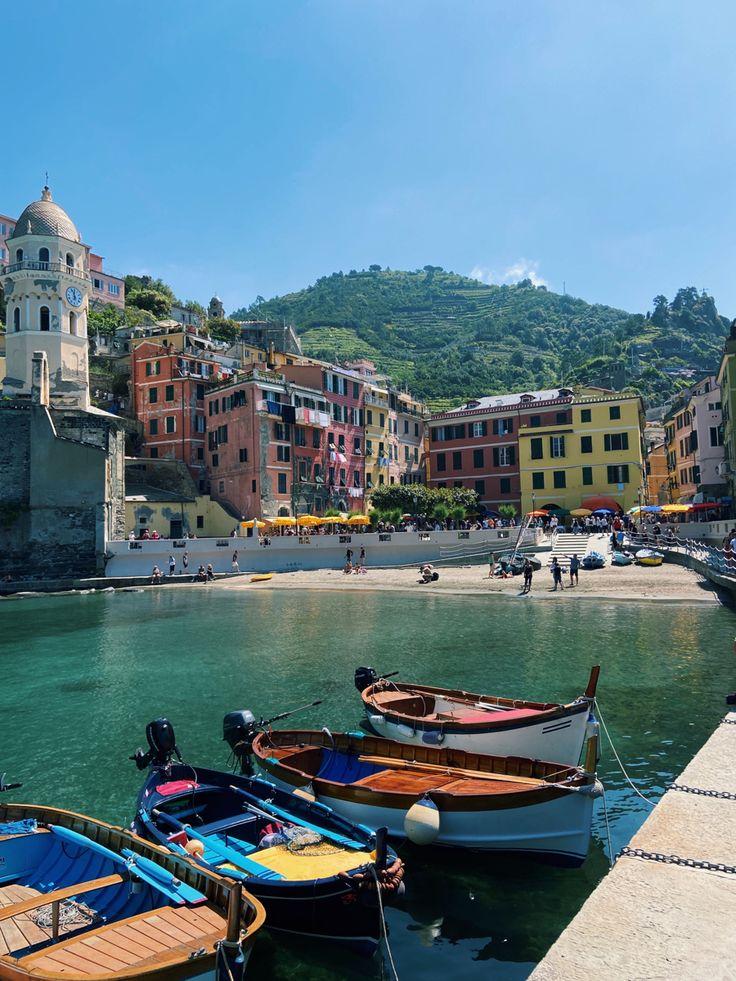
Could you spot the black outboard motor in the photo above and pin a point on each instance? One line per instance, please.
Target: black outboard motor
(161, 745)
(239, 729)
(364, 677)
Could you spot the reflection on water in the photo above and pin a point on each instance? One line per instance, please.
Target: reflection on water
(82, 676)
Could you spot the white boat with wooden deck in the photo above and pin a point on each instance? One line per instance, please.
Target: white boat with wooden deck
(454, 719)
(466, 800)
(80, 899)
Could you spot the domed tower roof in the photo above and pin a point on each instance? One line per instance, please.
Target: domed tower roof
(45, 217)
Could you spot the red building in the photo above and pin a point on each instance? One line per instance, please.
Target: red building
(265, 446)
(477, 445)
(168, 400)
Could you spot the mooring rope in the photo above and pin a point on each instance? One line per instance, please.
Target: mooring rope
(384, 931)
(618, 758)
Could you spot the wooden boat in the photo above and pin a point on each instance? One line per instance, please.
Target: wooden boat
(264, 577)
(454, 719)
(312, 869)
(466, 800)
(647, 556)
(82, 899)
(621, 558)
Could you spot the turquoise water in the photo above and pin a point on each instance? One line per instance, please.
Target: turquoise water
(81, 677)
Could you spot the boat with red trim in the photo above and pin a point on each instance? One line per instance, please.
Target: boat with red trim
(455, 719)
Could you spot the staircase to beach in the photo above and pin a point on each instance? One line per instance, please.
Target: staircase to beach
(566, 545)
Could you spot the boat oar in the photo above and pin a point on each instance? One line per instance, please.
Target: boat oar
(271, 810)
(531, 782)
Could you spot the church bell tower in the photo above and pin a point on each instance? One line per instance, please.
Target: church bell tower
(47, 287)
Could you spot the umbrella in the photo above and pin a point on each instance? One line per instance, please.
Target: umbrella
(652, 508)
(253, 523)
(556, 509)
(581, 513)
(359, 519)
(309, 519)
(599, 502)
(675, 508)
(537, 514)
(604, 511)
(283, 522)
(706, 506)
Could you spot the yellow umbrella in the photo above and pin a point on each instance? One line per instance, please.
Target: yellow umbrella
(309, 519)
(253, 523)
(283, 522)
(675, 508)
(581, 513)
(359, 519)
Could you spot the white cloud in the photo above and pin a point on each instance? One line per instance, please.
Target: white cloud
(521, 269)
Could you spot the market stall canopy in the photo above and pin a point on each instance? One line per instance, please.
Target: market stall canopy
(600, 502)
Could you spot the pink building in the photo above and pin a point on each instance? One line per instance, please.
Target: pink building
(265, 446)
(7, 225)
(106, 288)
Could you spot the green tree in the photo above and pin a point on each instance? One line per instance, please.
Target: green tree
(151, 300)
(223, 330)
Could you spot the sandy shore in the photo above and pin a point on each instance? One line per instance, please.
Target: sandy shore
(668, 583)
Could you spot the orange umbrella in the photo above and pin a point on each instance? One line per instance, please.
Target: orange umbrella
(537, 514)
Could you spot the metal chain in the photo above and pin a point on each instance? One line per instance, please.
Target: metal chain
(721, 794)
(690, 863)
(725, 721)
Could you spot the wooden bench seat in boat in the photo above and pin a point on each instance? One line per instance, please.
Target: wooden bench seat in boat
(21, 931)
(153, 939)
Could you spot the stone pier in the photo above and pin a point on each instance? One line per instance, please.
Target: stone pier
(662, 921)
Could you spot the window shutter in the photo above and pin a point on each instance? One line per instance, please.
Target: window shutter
(495, 452)
(512, 455)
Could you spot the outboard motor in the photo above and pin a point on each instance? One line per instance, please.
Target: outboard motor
(364, 677)
(161, 745)
(239, 729)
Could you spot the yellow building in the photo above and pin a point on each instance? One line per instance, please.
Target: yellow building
(657, 474)
(378, 444)
(596, 453)
(175, 516)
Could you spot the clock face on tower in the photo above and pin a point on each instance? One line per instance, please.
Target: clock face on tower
(73, 296)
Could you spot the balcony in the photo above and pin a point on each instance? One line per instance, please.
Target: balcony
(53, 267)
(312, 417)
(376, 400)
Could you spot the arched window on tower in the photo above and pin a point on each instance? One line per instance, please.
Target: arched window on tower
(19, 255)
(73, 324)
(44, 317)
(69, 259)
(16, 319)
(43, 256)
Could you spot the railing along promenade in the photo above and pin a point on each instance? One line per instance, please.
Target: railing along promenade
(717, 564)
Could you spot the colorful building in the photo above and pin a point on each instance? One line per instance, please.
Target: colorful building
(410, 414)
(727, 383)
(266, 445)
(477, 445)
(7, 227)
(596, 452)
(106, 288)
(694, 444)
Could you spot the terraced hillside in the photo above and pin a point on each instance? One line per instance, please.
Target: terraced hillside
(449, 337)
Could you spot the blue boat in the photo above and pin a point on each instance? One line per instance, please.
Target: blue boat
(316, 873)
(81, 898)
(593, 560)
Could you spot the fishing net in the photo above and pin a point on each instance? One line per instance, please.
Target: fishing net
(71, 915)
(304, 841)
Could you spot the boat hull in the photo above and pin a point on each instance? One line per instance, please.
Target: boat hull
(560, 738)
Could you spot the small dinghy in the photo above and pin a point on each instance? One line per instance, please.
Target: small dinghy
(314, 871)
(593, 560)
(647, 556)
(454, 719)
(512, 563)
(465, 800)
(622, 558)
(82, 899)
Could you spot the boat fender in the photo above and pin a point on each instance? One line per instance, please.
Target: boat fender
(591, 727)
(422, 821)
(405, 730)
(194, 848)
(433, 738)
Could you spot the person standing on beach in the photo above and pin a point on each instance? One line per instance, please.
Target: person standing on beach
(491, 565)
(574, 566)
(185, 561)
(361, 561)
(556, 574)
(528, 574)
(172, 565)
(235, 567)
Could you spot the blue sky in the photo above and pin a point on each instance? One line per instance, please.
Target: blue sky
(246, 148)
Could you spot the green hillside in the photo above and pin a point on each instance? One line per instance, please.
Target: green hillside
(449, 337)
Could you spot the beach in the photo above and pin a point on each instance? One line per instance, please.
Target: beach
(667, 583)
